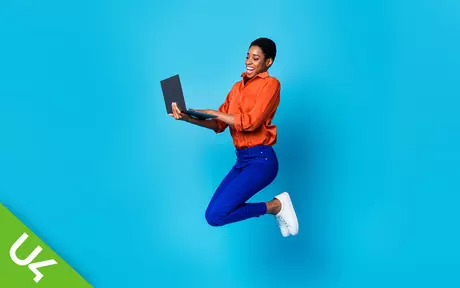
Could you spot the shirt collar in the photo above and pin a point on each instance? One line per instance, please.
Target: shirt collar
(261, 75)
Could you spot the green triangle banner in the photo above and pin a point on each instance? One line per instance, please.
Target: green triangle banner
(26, 261)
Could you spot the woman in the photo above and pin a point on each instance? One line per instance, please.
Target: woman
(248, 111)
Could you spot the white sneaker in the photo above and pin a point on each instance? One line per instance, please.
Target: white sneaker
(287, 218)
(283, 226)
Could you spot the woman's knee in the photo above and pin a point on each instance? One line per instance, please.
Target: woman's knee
(214, 217)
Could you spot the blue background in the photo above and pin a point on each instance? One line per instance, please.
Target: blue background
(368, 140)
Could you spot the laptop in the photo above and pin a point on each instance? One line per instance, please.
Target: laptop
(172, 92)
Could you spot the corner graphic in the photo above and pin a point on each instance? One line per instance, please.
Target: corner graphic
(26, 261)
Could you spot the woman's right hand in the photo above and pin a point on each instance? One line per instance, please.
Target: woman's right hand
(177, 114)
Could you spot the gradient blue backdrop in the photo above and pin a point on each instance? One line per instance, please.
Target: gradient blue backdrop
(368, 140)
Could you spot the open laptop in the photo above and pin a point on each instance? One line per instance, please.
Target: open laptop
(172, 92)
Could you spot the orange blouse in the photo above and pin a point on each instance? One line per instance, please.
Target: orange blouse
(253, 105)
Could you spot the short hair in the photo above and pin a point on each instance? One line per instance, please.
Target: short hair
(267, 46)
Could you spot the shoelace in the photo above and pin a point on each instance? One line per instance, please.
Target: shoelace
(282, 221)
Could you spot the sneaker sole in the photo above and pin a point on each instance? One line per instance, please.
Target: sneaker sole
(290, 207)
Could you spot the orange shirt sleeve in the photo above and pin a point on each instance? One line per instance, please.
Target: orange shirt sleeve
(267, 102)
(221, 126)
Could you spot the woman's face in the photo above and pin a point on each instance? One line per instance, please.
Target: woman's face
(256, 62)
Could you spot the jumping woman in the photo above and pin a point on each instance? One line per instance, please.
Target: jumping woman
(248, 111)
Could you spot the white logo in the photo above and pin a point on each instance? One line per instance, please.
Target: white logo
(32, 266)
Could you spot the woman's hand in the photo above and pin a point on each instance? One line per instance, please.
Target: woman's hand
(177, 114)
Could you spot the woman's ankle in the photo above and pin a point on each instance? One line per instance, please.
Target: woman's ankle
(273, 207)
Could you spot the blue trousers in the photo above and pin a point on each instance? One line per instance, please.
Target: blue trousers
(255, 168)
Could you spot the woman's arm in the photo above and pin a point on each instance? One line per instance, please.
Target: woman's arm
(210, 124)
(228, 119)
(178, 115)
(268, 99)
(224, 117)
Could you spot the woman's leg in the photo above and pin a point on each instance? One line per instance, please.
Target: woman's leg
(229, 205)
(229, 178)
(231, 175)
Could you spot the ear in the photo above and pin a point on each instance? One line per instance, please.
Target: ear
(268, 62)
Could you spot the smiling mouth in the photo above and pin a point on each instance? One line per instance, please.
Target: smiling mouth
(250, 69)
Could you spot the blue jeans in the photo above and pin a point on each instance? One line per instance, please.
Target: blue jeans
(255, 168)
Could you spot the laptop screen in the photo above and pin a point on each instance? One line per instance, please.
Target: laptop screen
(172, 92)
